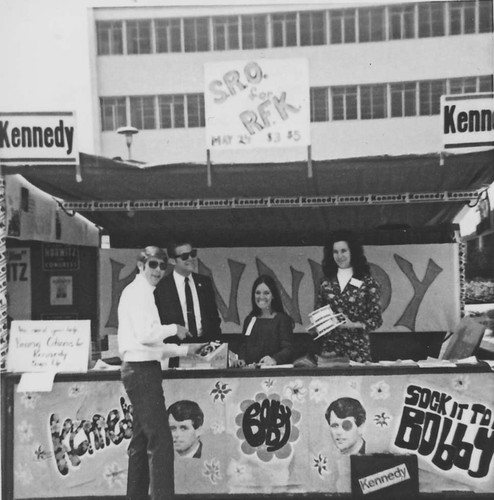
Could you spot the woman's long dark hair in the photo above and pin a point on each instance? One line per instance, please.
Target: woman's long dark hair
(358, 260)
(276, 304)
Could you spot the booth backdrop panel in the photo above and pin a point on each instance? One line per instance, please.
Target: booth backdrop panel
(263, 431)
(420, 283)
(51, 281)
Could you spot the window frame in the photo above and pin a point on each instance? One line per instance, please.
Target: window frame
(137, 46)
(319, 104)
(287, 24)
(117, 119)
(112, 31)
(141, 121)
(171, 27)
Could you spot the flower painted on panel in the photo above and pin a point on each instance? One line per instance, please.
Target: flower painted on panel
(239, 472)
(217, 428)
(321, 464)
(29, 400)
(25, 432)
(41, 454)
(114, 474)
(380, 390)
(295, 390)
(220, 391)
(318, 391)
(268, 384)
(267, 425)
(76, 390)
(212, 470)
(461, 382)
(382, 419)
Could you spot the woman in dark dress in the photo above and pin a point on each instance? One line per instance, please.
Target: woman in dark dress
(350, 289)
(267, 330)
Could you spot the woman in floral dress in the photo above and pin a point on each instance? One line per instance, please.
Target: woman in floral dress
(349, 289)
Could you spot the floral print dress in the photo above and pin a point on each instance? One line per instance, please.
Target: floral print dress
(359, 301)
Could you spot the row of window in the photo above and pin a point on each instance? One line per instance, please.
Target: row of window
(350, 102)
(291, 29)
(390, 100)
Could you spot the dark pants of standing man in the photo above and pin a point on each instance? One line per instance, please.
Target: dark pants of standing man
(151, 446)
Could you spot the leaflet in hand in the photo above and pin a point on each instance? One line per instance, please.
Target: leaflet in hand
(323, 320)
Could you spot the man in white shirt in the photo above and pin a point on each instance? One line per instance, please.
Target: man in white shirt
(140, 338)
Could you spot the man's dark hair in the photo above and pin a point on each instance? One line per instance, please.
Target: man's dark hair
(171, 249)
(187, 410)
(347, 407)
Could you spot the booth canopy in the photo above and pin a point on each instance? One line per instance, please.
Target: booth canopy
(286, 211)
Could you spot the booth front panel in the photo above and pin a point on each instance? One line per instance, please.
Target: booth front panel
(264, 432)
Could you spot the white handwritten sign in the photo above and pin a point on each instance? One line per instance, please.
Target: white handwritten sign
(49, 346)
(262, 103)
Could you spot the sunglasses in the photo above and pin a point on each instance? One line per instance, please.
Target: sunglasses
(346, 425)
(153, 264)
(186, 255)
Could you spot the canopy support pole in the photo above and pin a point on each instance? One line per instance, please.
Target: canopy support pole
(208, 157)
(309, 161)
(4, 340)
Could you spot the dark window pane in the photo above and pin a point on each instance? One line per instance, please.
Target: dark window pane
(168, 38)
(319, 105)
(195, 110)
(336, 27)
(431, 19)
(113, 113)
(109, 37)
(485, 83)
(312, 28)
(284, 29)
(485, 16)
(139, 37)
(196, 35)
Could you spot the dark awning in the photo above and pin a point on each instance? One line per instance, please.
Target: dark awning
(291, 222)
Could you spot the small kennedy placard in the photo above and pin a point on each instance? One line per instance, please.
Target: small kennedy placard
(49, 346)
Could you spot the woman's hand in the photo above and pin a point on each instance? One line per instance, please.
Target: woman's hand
(350, 325)
(267, 361)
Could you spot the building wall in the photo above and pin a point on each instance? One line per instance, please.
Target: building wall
(409, 60)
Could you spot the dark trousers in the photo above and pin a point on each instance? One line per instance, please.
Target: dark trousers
(151, 446)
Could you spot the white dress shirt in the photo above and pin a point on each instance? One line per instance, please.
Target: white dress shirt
(180, 284)
(344, 276)
(140, 332)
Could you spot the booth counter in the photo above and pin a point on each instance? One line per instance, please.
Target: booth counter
(264, 431)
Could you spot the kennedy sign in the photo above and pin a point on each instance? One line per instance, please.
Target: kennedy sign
(259, 103)
(38, 138)
(467, 121)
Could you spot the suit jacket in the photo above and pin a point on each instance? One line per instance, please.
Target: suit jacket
(170, 310)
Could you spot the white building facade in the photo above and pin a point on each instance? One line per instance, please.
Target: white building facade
(376, 73)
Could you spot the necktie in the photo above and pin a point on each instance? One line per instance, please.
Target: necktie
(191, 317)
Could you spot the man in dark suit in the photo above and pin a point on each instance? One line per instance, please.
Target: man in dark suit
(187, 298)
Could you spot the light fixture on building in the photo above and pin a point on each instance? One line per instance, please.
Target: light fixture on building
(128, 132)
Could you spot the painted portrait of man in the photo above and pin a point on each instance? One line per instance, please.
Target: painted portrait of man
(186, 420)
(346, 417)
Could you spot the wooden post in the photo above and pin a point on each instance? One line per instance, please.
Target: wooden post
(309, 161)
(208, 153)
(4, 341)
